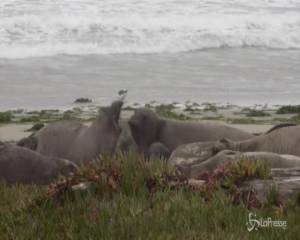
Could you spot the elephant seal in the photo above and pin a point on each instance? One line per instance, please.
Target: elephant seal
(158, 150)
(22, 165)
(282, 141)
(147, 128)
(271, 160)
(78, 143)
(192, 153)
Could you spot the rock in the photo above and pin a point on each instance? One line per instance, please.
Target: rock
(83, 100)
(285, 183)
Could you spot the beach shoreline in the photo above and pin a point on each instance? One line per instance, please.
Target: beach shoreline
(254, 119)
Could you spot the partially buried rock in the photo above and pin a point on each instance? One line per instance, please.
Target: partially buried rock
(22, 165)
(83, 100)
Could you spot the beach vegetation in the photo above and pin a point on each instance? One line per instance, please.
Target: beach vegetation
(36, 127)
(126, 197)
(6, 117)
(169, 111)
(257, 113)
(243, 121)
(209, 107)
(295, 119)
(289, 109)
(213, 118)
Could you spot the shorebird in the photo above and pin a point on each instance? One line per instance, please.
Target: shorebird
(122, 94)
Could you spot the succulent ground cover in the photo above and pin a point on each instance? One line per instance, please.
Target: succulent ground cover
(126, 197)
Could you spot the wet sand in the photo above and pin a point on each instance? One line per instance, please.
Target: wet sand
(14, 132)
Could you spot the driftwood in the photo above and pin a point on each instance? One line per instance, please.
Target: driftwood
(285, 182)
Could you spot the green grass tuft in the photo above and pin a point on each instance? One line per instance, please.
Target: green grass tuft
(257, 113)
(289, 109)
(6, 117)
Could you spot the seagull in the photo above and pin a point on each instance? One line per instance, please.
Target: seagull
(122, 94)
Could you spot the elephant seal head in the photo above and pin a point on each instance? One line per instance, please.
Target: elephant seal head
(145, 126)
(223, 144)
(158, 150)
(65, 167)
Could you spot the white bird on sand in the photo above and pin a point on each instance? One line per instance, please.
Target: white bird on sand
(122, 94)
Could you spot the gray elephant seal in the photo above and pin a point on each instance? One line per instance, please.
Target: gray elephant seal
(282, 141)
(147, 128)
(79, 143)
(22, 165)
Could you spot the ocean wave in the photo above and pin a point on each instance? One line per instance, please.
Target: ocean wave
(116, 27)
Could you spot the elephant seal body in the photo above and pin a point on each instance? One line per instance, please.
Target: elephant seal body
(271, 160)
(79, 143)
(147, 128)
(282, 141)
(22, 165)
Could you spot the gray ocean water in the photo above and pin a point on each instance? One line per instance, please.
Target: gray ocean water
(242, 52)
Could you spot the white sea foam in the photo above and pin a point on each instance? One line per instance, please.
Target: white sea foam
(31, 28)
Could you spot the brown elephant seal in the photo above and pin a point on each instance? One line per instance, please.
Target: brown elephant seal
(79, 143)
(147, 128)
(284, 140)
(272, 160)
(22, 165)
